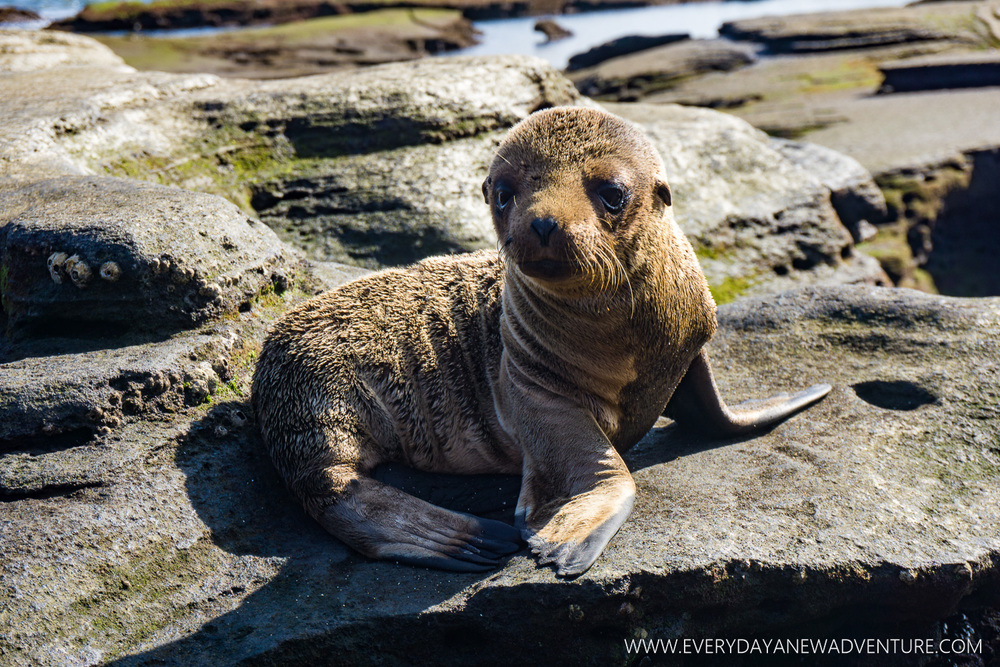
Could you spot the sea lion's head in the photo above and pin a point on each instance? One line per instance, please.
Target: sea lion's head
(574, 193)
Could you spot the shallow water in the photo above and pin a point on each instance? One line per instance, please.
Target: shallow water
(699, 19)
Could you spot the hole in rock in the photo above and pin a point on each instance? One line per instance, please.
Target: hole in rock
(894, 395)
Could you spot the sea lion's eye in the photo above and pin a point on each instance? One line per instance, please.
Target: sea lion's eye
(612, 196)
(503, 195)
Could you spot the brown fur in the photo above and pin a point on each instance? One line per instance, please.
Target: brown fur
(547, 359)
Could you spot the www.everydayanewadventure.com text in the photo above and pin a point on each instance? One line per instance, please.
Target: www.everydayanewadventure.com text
(870, 646)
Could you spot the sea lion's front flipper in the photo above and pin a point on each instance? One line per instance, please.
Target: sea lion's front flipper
(697, 404)
(576, 491)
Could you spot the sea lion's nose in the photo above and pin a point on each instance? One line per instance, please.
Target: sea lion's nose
(544, 228)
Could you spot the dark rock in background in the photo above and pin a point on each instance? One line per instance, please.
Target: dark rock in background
(633, 77)
(622, 46)
(965, 70)
(553, 31)
(17, 15)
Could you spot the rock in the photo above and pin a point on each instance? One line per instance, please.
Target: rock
(166, 15)
(393, 158)
(384, 166)
(142, 523)
(302, 48)
(758, 212)
(965, 70)
(382, 108)
(943, 216)
(66, 400)
(284, 144)
(58, 116)
(17, 15)
(622, 46)
(632, 77)
(29, 51)
(858, 29)
(332, 274)
(854, 194)
(871, 513)
(386, 208)
(553, 31)
(86, 252)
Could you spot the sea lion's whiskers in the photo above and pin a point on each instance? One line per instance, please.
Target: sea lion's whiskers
(628, 282)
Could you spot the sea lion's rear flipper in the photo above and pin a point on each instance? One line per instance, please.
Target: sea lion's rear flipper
(697, 404)
(385, 523)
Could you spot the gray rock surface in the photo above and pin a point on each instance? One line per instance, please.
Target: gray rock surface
(29, 51)
(878, 504)
(854, 194)
(759, 211)
(940, 125)
(126, 255)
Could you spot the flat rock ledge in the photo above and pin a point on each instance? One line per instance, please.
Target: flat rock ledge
(862, 28)
(878, 506)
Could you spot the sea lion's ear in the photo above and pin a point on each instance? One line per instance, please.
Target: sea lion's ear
(486, 190)
(663, 192)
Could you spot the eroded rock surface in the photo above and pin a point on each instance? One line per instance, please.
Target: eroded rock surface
(125, 255)
(878, 505)
(384, 166)
(142, 523)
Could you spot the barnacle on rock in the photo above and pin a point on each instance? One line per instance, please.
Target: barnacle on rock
(77, 270)
(237, 418)
(210, 291)
(110, 271)
(57, 262)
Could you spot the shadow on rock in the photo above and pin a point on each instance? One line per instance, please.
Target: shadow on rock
(673, 441)
(308, 589)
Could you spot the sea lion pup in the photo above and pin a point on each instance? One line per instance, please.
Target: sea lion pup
(546, 359)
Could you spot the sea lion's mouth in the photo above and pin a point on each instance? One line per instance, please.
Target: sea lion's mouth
(549, 269)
